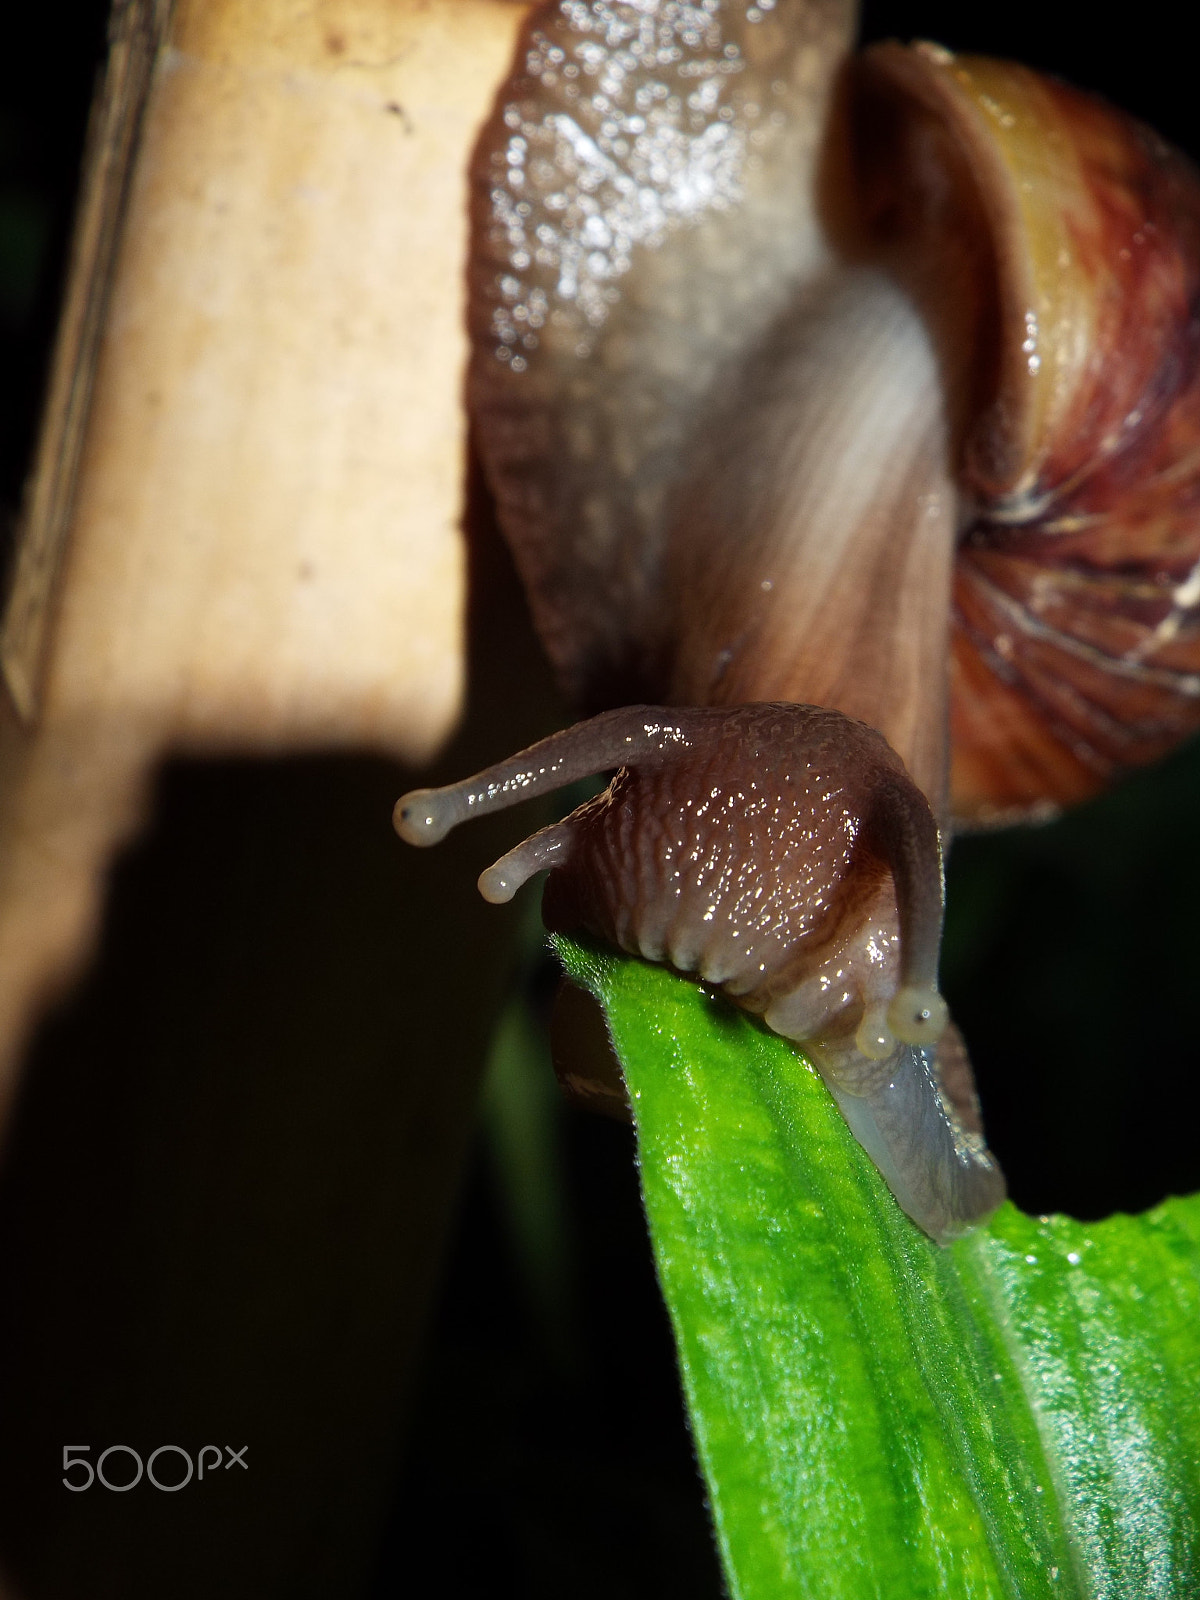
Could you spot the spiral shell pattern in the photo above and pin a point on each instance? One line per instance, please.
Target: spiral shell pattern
(1076, 629)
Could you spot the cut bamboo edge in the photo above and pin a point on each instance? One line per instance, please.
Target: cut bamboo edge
(242, 531)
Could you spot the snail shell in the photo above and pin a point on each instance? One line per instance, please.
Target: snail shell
(875, 391)
(1076, 631)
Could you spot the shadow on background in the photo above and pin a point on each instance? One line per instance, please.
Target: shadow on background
(227, 1179)
(236, 1155)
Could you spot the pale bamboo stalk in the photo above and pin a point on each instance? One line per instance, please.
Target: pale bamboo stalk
(263, 549)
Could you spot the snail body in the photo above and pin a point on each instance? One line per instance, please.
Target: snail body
(802, 385)
(782, 854)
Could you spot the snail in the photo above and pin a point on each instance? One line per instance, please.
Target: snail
(841, 414)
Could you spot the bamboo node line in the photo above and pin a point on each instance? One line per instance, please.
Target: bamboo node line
(137, 32)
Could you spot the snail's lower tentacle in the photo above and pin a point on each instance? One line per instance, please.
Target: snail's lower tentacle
(546, 848)
(939, 1171)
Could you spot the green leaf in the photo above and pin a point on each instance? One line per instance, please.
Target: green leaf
(1017, 1415)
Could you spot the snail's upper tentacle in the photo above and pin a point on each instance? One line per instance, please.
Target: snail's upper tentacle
(611, 739)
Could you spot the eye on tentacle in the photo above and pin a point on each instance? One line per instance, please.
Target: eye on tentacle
(781, 853)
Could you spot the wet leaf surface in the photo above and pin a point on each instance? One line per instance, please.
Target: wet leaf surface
(1017, 1415)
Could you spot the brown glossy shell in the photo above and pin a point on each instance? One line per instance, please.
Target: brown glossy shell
(1076, 628)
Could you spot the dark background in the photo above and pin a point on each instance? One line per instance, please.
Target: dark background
(212, 1176)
